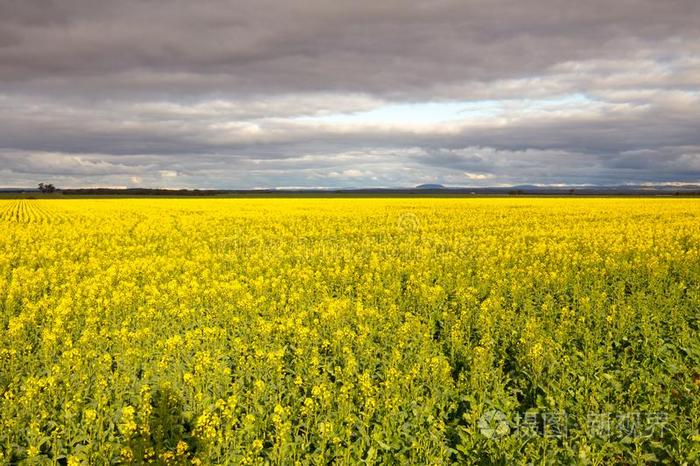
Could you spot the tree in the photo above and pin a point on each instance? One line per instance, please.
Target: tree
(47, 188)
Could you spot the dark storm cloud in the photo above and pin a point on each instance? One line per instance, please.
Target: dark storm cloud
(218, 93)
(388, 47)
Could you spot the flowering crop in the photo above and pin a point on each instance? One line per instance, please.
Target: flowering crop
(381, 331)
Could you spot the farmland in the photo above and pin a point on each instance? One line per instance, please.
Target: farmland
(382, 331)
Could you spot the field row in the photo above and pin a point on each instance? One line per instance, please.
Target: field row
(27, 211)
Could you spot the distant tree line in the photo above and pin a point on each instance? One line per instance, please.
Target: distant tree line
(145, 192)
(536, 191)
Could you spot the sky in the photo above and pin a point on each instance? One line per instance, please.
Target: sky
(329, 94)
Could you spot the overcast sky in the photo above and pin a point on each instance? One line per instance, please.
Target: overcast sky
(239, 94)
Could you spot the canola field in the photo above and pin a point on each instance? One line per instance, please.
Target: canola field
(350, 331)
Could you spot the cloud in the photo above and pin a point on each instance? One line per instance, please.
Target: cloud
(265, 93)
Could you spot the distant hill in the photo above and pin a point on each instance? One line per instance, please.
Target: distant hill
(430, 186)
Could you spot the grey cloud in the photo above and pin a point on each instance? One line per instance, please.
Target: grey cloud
(623, 139)
(219, 93)
(383, 47)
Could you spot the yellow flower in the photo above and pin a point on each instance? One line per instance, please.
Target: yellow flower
(127, 425)
(181, 448)
(89, 415)
(127, 455)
